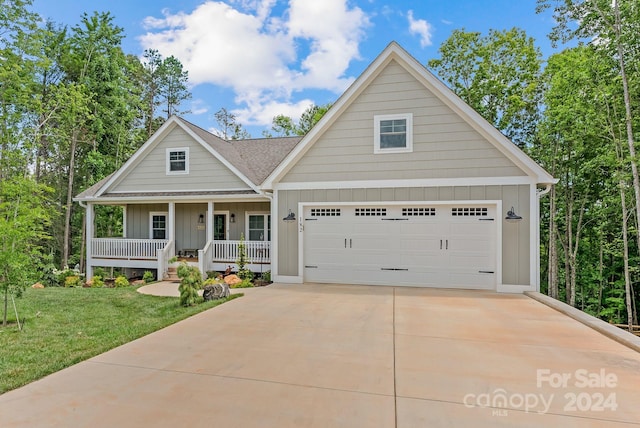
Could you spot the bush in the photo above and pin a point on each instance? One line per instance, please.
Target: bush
(266, 276)
(121, 281)
(148, 277)
(62, 276)
(244, 284)
(190, 283)
(96, 282)
(72, 281)
(212, 274)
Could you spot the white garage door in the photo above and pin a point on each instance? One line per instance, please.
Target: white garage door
(413, 245)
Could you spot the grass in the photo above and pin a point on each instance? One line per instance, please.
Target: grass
(63, 326)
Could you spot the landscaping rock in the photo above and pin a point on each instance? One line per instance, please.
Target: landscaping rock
(138, 282)
(215, 291)
(37, 285)
(232, 280)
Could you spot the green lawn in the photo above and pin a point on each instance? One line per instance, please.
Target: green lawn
(63, 326)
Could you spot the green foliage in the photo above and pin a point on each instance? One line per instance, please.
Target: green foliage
(121, 281)
(190, 283)
(72, 281)
(24, 217)
(498, 75)
(229, 128)
(148, 277)
(97, 282)
(246, 283)
(284, 126)
(212, 274)
(241, 261)
(266, 276)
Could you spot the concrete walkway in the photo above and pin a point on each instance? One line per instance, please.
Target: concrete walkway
(349, 356)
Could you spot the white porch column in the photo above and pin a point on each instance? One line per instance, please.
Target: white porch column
(89, 237)
(172, 221)
(124, 221)
(209, 221)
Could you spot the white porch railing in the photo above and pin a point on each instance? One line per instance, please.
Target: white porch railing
(227, 251)
(164, 254)
(205, 258)
(123, 248)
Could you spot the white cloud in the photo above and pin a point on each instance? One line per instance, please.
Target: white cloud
(199, 107)
(421, 28)
(263, 55)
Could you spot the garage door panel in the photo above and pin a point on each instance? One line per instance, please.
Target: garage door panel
(441, 246)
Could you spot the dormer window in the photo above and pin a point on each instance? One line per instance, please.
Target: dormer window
(393, 133)
(178, 161)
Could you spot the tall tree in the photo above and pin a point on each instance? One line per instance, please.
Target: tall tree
(228, 126)
(614, 26)
(498, 75)
(173, 85)
(284, 126)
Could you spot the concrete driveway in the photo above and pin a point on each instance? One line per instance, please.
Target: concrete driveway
(351, 356)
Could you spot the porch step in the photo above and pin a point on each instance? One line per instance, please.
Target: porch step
(172, 275)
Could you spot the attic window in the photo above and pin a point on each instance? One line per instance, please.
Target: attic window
(178, 161)
(393, 133)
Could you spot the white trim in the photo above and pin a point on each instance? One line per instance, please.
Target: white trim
(495, 202)
(274, 235)
(124, 221)
(285, 279)
(118, 192)
(182, 199)
(166, 223)
(408, 118)
(266, 224)
(427, 182)
(227, 223)
(516, 289)
(168, 152)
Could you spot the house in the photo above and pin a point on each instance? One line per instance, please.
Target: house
(400, 183)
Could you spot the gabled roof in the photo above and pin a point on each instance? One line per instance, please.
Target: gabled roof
(393, 52)
(251, 160)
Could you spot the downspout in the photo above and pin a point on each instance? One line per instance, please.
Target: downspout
(539, 193)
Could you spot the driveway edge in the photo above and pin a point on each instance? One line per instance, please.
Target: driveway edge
(611, 331)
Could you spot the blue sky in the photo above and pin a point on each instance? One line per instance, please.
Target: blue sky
(260, 58)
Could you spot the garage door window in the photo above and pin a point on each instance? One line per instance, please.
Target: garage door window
(420, 212)
(325, 212)
(379, 212)
(469, 212)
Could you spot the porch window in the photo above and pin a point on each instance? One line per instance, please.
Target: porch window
(259, 226)
(393, 133)
(178, 161)
(158, 225)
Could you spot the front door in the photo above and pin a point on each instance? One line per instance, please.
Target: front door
(219, 227)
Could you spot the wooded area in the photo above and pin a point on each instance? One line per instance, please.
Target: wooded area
(74, 107)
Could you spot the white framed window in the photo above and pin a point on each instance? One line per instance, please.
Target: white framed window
(158, 225)
(393, 133)
(258, 227)
(178, 161)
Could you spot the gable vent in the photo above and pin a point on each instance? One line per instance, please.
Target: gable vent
(469, 212)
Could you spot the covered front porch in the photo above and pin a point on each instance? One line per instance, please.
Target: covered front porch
(208, 235)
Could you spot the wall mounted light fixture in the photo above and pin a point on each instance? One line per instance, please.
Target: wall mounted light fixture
(512, 217)
(232, 219)
(290, 217)
(201, 219)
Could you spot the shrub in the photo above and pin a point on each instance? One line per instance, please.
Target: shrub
(72, 281)
(266, 276)
(244, 284)
(121, 281)
(190, 283)
(62, 276)
(97, 282)
(148, 277)
(49, 277)
(212, 274)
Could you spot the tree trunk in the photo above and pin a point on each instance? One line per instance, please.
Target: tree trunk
(67, 218)
(625, 242)
(553, 248)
